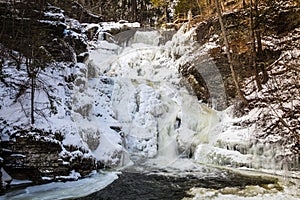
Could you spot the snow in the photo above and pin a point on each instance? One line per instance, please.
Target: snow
(19, 182)
(54, 15)
(136, 91)
(146, 97)
(148, 102)
(64, 190)
(248, 193)
(277, 103)
(18, 155)
(72, 33)
(54, 23)
(108, 26)
(72, 176)
(285, 188)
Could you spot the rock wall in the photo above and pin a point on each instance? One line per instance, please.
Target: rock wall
(28, 26)
(277, 19)
(75, 10)
(41, 157)
(41, 30)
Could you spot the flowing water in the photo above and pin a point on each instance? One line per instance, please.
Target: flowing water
(169, 139)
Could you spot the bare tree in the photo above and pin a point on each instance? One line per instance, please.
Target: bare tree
(33, 69)
(259, 52)
(253, 48)
(227, 50)
(134, 10)
(256, 45)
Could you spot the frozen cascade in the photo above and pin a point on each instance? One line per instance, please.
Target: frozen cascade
(146, 37)
(158, 117)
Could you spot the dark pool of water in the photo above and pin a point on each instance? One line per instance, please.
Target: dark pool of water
(133, 185)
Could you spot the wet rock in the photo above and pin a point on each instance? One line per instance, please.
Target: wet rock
(195, 81)
(83, 57)
(204, 79)
(85, 110)
(77, 43)
(31, 159)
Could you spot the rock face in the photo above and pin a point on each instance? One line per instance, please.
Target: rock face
(41, 157)
(28, 26)
(43, 31)
(75, 10)
(275, 19)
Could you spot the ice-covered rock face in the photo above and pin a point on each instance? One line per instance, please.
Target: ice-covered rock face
(94, 118)
(148, 38)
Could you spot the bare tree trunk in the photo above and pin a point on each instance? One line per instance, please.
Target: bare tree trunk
(32, 75)
(258, 33)
(259, 43)
(244, 4)
(199, 6)
(253, 48)
(32, 98)
(166, 14)
(234, 76)
(134, 10)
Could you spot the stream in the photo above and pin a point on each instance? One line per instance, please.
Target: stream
(133, 184)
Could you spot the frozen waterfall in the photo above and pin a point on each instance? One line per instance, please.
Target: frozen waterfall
(131, 108)
(155, 115)
(158, 116)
